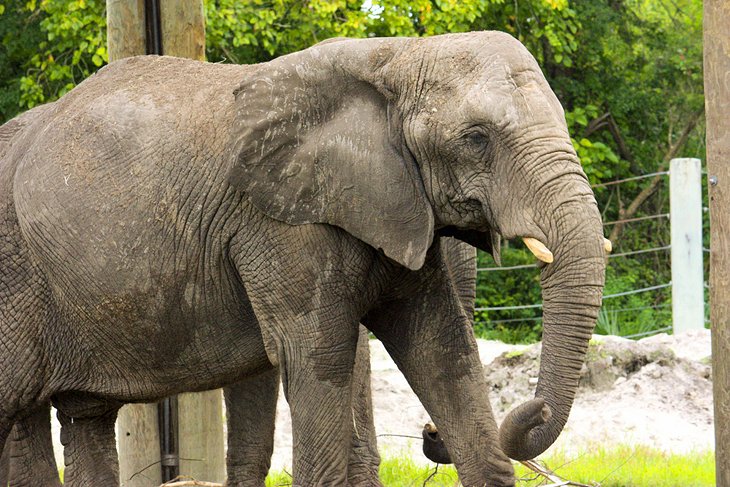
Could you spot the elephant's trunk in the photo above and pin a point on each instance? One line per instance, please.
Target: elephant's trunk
(572, 289)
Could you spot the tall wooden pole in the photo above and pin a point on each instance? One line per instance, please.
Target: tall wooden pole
(200, 418)
(125, 33)
(717, 109)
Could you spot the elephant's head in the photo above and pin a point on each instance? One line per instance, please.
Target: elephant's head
(397, 140)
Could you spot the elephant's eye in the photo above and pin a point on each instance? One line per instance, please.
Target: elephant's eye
(478, 140)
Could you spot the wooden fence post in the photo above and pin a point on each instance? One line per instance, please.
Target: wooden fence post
(125, 28)
(717, 107)
(183, 28)
(138, 443)
(200, 416)
(685, 202)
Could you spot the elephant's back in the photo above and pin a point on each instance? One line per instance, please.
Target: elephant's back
(122, 171)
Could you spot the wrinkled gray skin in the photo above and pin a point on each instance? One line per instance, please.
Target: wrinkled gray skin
(154, 202)
(251, 412)
(251, 404)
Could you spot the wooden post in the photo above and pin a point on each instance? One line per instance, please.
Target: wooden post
(138, 443)
(183, 28)
(202, 448)
(685, 202)
(201, 438)
(717, 108)
(125, 32)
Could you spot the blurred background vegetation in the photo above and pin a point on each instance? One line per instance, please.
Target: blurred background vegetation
(628, 72)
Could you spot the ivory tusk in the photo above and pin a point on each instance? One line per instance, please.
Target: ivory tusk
(607, 245)
(539, 249)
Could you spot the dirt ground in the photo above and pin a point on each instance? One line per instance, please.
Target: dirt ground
(655, 392)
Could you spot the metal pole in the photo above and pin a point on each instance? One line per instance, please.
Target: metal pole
(153, 29)
(168, 423)
(167, 408)
(685, 200)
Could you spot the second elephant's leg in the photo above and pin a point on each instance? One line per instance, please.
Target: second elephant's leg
(251, 412)
(89, 450)
(364, 457)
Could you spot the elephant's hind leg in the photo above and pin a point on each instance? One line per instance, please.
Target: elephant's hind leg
(89, 450)
(29, 453)
(26, 315)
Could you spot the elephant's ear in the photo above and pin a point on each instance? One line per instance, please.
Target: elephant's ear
(314, 140)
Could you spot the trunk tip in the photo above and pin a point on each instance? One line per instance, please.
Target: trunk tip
(433, 445)
(517, 434)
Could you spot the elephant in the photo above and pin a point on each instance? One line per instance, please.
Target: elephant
(250, 403)
(163, 205)
(251, 407)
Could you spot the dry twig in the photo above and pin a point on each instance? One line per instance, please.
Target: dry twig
(551, 476)
(183, 481)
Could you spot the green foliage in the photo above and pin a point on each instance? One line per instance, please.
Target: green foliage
(508, 288)
(73, 48)
(256, 31)
(20, 35)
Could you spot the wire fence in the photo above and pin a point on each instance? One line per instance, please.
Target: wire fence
(659, 309)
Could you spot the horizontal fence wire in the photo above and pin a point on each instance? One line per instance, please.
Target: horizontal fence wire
(512, 320)
(636, 308)
(637, 252)
(648, 333)
(635, 178)
(612, 310)
(510, 268)
(605, 296)
(637, 219)
(508, 308)
(611, 256)
(637, 291)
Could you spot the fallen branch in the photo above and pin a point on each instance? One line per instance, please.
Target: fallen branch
(551, 476)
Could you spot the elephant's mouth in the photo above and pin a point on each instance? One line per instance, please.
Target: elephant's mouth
(488, 241)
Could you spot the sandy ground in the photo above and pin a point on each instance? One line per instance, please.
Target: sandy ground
(655, 392)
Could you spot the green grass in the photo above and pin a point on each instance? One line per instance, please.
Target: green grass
(619, 467)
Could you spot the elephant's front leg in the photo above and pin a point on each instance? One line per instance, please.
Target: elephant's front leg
(316, 371)
(313, 342)
(364, 456)
(430, 339)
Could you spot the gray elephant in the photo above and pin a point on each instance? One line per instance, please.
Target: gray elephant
(251, 407)
(250, 403)
(163, 195)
